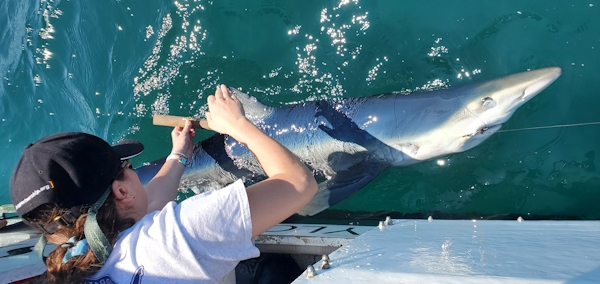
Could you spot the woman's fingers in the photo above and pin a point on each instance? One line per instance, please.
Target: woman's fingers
(221, 93)
(187, 126)
(188, 130)
(224, 91)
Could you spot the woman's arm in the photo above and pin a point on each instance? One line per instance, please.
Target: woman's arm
(289, 186)
(163, 187)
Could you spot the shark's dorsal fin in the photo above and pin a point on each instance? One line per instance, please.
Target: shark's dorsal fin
(253, 109)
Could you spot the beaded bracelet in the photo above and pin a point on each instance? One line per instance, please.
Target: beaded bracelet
(179, 153)
(181, 158)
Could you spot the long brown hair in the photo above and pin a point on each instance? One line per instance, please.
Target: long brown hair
(76, 269)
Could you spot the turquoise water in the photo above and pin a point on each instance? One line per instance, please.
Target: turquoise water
(104, 67)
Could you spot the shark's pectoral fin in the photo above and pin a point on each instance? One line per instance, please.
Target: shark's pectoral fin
(341, 186)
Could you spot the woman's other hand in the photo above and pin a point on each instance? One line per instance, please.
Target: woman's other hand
(183, 138)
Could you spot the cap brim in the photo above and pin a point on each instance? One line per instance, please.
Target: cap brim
(128, 149)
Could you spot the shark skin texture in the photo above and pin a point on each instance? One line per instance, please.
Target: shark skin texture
(348, 142)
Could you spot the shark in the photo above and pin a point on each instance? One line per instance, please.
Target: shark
(348, 142)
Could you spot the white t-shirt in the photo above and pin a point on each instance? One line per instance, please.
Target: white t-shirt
(200, 240)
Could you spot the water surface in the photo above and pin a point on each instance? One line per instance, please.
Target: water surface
(104, 67)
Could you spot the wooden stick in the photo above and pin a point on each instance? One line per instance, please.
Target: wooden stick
(179, 121)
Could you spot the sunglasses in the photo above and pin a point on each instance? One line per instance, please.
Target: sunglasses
(125, 164)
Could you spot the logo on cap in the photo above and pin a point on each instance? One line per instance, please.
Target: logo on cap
(35, 193)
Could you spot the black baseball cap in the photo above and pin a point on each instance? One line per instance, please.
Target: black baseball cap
(69, 169)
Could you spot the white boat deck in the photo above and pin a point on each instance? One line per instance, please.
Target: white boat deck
(409, 251)
(468, 251)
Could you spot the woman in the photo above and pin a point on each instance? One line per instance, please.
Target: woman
(110, 229)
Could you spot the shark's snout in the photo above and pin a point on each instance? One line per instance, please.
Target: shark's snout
(543, 78)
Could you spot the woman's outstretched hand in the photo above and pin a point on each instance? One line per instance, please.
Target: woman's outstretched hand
(225, 112)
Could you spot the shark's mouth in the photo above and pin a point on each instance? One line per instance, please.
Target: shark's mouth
(491, 129)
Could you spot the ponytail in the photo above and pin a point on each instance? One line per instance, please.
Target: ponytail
(75, 269)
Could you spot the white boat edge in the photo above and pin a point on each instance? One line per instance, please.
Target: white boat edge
(403, 251)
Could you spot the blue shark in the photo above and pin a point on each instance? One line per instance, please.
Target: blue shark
(348, 142)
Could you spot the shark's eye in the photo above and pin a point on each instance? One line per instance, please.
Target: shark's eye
(488, 102)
